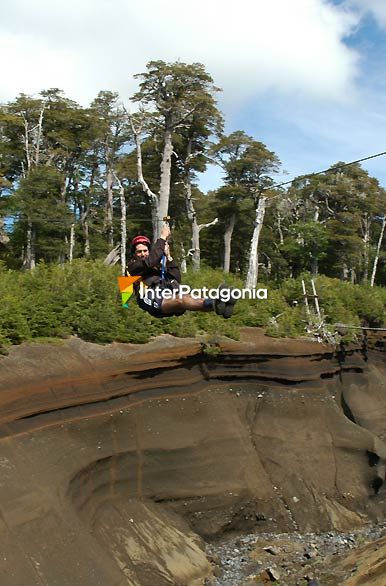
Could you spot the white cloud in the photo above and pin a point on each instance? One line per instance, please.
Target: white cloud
(33, 67)
(376, 7)
(249, 47)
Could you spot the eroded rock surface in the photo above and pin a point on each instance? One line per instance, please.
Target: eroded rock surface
(116, 461)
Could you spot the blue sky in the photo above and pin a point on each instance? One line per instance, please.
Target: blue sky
(310, 133)
(306, 77)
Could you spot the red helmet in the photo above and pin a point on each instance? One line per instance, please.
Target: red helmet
(140, 240)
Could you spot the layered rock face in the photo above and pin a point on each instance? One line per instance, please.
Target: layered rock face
(116, 461)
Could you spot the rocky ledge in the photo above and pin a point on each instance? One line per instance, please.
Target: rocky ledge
(117, 462)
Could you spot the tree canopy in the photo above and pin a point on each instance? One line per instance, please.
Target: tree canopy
(70, 175)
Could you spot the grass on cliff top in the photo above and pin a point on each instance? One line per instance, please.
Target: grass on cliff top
(83, 299)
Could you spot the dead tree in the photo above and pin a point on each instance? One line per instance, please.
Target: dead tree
(252, 274)
(378, 251)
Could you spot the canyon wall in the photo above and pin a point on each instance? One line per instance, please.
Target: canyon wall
(117, 461)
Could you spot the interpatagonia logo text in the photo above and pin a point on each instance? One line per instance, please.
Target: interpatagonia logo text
(224, 294)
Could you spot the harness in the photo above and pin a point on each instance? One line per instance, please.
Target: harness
(163, 270)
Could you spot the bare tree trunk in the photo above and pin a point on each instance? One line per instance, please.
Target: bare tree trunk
(279, 228)
(196, 228)
(31, 146)
(113, 256)
(32, 154)
(227, 242)
(62, 254)
(164, 191)
(183, 261)
(39, 136)
(314, 267)
(378, 251)
(366, 223)
(123, 225)
(314, 261)
(85, 230)
(109, 204)
(72, 243)
(252, 275)
(153, 199)
(123, 230)
(63, 191)
(192, 216)
(29, 259)
(87, 248)
(195, 250)
(26, 146)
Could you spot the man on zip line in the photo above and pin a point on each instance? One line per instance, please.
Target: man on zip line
(160, 273)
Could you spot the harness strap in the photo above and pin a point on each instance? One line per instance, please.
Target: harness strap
(163, 269)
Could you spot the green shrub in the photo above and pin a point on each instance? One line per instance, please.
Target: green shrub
(13, 322)
(181, 327)
(258, 312)
(289, 324)
(83, 299)
(14, 327)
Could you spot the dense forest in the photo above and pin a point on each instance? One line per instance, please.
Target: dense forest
(78, 182)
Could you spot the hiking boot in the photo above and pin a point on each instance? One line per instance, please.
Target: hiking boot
(229, 307)
(218, 304)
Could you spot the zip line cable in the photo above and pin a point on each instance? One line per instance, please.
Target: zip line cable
(68, 221)
(336, 168)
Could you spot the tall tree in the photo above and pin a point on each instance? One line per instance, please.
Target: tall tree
(113, 135)
(176, 94)
(378, 250)
(69, 133)
(192, 148)
(344, 203)
(45, 137)
(247, 164)
(22, 124)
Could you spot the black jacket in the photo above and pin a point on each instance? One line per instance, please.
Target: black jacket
(150, 268)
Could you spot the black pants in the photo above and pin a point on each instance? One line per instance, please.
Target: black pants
(153, 303)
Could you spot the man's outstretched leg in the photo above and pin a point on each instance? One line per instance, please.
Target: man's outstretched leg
(188, 303)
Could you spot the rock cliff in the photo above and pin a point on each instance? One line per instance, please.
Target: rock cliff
(116, 461)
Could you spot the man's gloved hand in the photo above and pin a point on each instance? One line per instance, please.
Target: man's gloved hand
(165, 232)
(167, 252)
